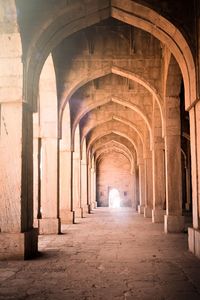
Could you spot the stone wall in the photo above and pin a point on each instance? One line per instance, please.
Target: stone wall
(114, 172)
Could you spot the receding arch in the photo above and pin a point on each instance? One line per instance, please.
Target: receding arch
(103, 154)
(114, 125)
(113, 143)
(106, 70)
(117, 132)
(121, 120)
(115, 149)
(120, 102)
(117, 139)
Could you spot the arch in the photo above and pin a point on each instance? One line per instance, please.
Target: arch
(117, 144)
(62, 25)
(121, 141)
(113, 125)
(106, 70)
(113, 143)
(102, 155)
(120, 102)
(116, 132)
(110, 149)
(121, 121)
(117, 150)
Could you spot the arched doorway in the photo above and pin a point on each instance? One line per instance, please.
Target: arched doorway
(114, 197)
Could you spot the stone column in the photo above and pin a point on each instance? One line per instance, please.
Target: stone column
(65, 204)
(84, 196)
(141, 187)
(173, 220)
(148, 186)
(158, 211)
(76, 186)
(137, 194)
(91, 170)
(133, 190)
(18, 238)
(194, 232)
(36, 170)
(188, 188)
(49, 222)
(89, 188)
(93, 188)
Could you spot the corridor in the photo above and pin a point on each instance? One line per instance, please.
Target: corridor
(111, 254)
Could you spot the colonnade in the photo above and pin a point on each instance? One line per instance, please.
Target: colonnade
(47, 160)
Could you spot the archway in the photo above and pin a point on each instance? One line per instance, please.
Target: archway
(114, 198)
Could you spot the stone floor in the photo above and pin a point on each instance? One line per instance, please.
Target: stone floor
(111, 254)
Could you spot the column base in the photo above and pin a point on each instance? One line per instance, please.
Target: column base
(85, 209)
(158, 215)
(94, 204)
(174, 224)
(147, 212)
(66, 217)
(187, 206)
(19, 246)
(89, 208)
(49, 226)
(141, 209)
(78, 212)
(194, 241)
(35, 223)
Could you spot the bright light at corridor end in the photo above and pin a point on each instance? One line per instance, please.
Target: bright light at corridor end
(114, 198)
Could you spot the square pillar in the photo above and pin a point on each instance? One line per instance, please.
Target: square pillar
(148, 187)
(49, 222)
(93, 188)
(158, 161)
(76, 186)
(65, 205)
(141, 188)
(194, 232)
(84, 196)
(173, 221)
(18, 238)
